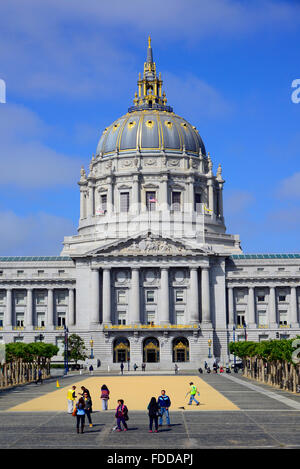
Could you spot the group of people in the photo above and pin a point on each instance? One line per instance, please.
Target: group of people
(157, 408)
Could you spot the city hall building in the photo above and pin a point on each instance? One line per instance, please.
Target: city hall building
(151, 275)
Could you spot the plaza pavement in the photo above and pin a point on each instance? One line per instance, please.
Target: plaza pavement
(258, 416)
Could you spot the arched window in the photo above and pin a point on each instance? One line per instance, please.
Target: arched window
(151, 350)
(181, 350)
(121, 350)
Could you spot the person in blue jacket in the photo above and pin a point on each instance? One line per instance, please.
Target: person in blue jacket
(164, 403)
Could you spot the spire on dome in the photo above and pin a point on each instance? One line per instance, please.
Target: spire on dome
(150, 94)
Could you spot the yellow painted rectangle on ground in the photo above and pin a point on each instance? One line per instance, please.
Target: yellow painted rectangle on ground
(136, 391)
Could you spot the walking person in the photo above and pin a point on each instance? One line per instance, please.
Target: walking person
(121, 416)
(143, 366)
(104, 396)
(122, 367)
(71, 399)
(135, 367)
(192, 392)
(164, 403)
(153, 411)
(176, 369)
(80, 414)
(88, 407)
(91, 369)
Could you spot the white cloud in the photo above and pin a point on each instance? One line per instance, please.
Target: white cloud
(289, 188)
(25, 160)
(36, 234)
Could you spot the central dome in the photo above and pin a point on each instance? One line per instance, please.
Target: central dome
(150, 126)
(150, 131)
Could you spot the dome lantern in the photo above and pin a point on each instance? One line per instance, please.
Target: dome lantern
(150, 94)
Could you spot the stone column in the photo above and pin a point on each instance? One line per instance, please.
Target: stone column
(205, 295)
(294, 308)
(8, 316)
(109, 195)
(106, 296)
(231, 312)
(29, 312)
(91, 201)
(95, 297)
(50, 312)
(191, 194)
(251, 323)
(82, 203)
(164, 199)
(164, 296)
(272, 308)
(194, 296)
(71, 311)
(135, 195)
(134, 302)
(211, 195)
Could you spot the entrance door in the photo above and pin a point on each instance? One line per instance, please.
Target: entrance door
(151, 350)
(151, 356)
(121, 356)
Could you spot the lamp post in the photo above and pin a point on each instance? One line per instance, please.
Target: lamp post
(66, 352)
(234, 357)
(245, 326)
(92, 345)
(209, 346)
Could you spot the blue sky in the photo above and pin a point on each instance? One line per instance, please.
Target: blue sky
(71, 68)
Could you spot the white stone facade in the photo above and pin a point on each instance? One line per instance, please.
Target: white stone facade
(152, 274)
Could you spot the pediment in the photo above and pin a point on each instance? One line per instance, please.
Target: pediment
(148, 245)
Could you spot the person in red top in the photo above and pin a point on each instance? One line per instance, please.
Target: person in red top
(121, 415)
(104, 396)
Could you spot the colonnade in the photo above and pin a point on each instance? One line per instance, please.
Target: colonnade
(29, 311)
(272, 308)
(195, 291)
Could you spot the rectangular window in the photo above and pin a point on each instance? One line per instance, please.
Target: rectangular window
(240, 317)
(179, 317)
(20, 319)
(198, 208)
(2, 297)
(41, 319)
(150, 296)
(122, 318)
(260, 269)
(61, 319)
(20, 297)
(283, 318)
(240, 296)
(40, 273)
(150, 317)
(61, 273)
(261, 298)
(151, 201)
(176, 201)
(282, 297)
(103, 201)
(61, 297)
(1, 319)
(121, 297)
(40, 297)
(1, 273)
(262, 318)
(179, 296)
(20, 273)
(124, 201)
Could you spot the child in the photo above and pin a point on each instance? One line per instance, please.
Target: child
(121, 415)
